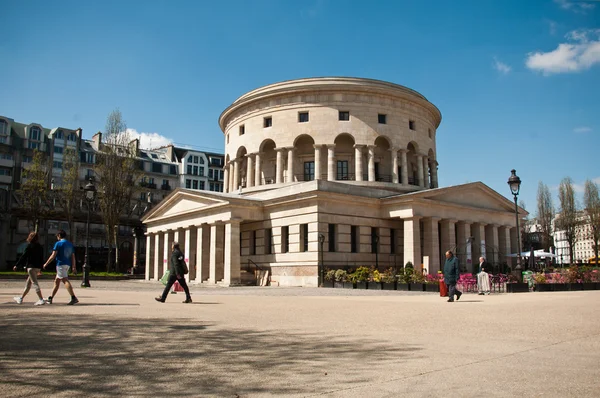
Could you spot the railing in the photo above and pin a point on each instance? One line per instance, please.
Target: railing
(152, 186)
(250, 264)
(165, 187)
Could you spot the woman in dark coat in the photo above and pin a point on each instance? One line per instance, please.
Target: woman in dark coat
(32, 260)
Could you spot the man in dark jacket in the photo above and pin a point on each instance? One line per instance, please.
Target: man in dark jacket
(451, 275)
(176, 273)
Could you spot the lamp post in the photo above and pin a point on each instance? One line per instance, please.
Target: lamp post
(321, 268)
(90, 196)
(514, 182)
(376, 252)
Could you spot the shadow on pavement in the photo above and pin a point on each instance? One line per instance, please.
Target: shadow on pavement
(87, 355)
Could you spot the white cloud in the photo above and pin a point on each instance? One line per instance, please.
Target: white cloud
(149, 140)
(582, 129)
(580, 7)
(580, 54)
(501, 67)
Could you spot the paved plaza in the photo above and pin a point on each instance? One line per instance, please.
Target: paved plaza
(297, 342)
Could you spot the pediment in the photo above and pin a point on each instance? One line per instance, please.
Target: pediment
(181, 202)
(475, 195)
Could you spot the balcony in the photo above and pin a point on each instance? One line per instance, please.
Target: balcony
(152, 185)
(7, 162)
(166, 187)
(5, 179)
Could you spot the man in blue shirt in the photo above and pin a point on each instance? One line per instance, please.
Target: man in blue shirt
(64, 253)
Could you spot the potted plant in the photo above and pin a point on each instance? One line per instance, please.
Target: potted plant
(388, 279)
(514, 286)
(341, 280)
(403, 277)
(541, 282)
(432, 283)
(329, 278)
(417, 282)
(374, 282)
(360, 277)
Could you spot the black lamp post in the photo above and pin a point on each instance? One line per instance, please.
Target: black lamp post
(514, 182)
(90, 196)
(321, 268)
(376, 237)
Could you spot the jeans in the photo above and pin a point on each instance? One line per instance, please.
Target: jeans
(171, 281)
(452, 291)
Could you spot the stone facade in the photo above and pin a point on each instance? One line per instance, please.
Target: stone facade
(306, 190)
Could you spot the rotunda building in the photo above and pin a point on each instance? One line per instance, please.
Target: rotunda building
(361, 131)
(325, 174)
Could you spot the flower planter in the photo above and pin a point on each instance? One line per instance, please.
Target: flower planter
(328, 284)
(361, 285)
(348, 285)
(517, 288)
(560, 287)
(544, 287)
(402, 286)
(388, 286)
(417, 287)
(590, 286)
(432, 287)
(338, 285)
(575, 286)
(374, 286)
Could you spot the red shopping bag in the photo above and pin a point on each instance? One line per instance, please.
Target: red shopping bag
(177, 287)
(443, 289)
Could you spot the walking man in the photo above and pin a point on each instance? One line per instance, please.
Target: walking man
(177, 270)
(64, 253)
(451, 275)
(483, 278)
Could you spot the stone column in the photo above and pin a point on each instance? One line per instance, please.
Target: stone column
(226, 178)
(371, 149)
(420, 181)
(212, 277)
(231, 171)
(412, 241)
(236, 174)
(404, 167)
(279, 166)
(394, 154)
(203, 253)
(167, 240)
(290, 165)
(331, 162)
(426, 184)
(492, 239)
(157, 257)
(464, 243)
(503, 243)
(431, 244)
(249, 171)
(187, 243)
(358, 164)
(257, 170)
(433, 171)
(148, 254)
(478, 231)
(232, 253)
(448, 236)
(317, 161)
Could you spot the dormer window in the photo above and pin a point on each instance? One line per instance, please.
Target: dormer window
(59, 135)
(72, 137)
(3, 127)
(35, 133)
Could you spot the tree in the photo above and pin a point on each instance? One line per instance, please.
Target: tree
(526, 225)
(116, 174)
(34, 189)
(69, 195)
(545, 210)
(591, 203)
(568, 218)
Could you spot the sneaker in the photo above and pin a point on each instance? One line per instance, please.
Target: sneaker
(481, 294)
(450, 301)
(458, 296)
(159, 299)
(40, 302)
(19, 300)
(73, 301)
(187, 301)
(49, 300)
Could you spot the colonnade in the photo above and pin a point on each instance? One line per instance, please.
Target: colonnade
(426, 167)
(212, 252)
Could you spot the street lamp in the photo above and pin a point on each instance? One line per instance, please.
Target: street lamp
(514, 182)
(321, 268)
(90, 196)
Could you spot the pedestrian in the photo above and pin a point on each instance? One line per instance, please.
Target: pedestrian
(451, 275)
(483, 278)
(177, 270)
(64, 253)
(31, 260)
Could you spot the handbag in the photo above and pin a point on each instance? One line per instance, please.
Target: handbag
(185, 268)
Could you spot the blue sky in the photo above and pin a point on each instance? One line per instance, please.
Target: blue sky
(517, 81)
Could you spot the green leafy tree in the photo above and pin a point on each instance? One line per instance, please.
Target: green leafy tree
(116, 172)
(591, 202)
(568, 220)
(33, 193)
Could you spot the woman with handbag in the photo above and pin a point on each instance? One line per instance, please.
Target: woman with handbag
(177, 269)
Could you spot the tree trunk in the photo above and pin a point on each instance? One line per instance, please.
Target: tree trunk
(116, 241)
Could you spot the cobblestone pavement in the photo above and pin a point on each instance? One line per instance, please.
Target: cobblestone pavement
(297, 342)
